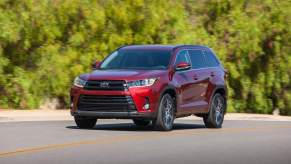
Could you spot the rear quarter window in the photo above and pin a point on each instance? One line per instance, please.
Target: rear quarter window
(211, 60)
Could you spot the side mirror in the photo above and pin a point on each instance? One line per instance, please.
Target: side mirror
(96, 65)
(182, 66)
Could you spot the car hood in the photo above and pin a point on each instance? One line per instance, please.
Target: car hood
(127, 75)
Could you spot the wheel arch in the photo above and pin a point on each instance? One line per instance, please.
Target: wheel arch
(172, 92)
(223, 91)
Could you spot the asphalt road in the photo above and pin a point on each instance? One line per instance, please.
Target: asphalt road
(119, 141)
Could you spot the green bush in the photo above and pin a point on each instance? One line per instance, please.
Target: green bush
(45, 44)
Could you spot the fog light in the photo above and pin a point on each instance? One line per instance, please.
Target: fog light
(146, 106)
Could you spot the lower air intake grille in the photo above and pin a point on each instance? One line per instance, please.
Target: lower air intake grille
(106, 103)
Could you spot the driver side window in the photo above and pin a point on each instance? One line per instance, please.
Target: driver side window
(182, 56)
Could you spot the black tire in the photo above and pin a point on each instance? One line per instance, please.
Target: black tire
(165, 117)
(140, 122)
(85, 122)
(215, 116)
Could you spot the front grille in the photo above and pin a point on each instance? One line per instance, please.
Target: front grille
(106, 103)
(109, 85)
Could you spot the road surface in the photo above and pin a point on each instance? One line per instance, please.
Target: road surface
(119, 141)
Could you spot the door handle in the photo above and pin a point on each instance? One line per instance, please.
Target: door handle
(195, 77)
(212, 74)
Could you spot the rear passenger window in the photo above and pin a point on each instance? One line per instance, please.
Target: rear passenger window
(211, 60)
(182, 57)
(197, 59)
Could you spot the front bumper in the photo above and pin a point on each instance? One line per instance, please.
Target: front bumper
(138, 96)
(124, 115)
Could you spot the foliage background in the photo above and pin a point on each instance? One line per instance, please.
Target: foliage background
(44, 44)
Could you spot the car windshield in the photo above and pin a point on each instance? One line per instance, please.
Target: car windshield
(137, 59)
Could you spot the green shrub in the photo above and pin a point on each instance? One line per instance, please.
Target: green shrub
(45, 44)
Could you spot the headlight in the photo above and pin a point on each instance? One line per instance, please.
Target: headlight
(139, 83)
(79, 82)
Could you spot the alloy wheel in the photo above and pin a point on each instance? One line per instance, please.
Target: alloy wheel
(168, 115)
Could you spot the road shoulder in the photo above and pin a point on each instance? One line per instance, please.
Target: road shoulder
(64, 115)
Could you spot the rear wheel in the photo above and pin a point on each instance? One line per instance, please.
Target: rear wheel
(140, 122)
(215, 116)
(165, 117)
(85, 122)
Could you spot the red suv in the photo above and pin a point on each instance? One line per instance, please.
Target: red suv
(152, 84)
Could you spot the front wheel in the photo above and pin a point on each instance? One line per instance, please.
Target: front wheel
(85, 122)
(165, 117)
(215, 116)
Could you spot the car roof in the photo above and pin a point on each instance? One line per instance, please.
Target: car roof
(160, 47)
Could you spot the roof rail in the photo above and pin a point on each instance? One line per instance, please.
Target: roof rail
(190, 45)
(122, 46)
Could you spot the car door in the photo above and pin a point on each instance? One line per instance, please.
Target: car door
(212, 72)
(200, 77)
(183, 81)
